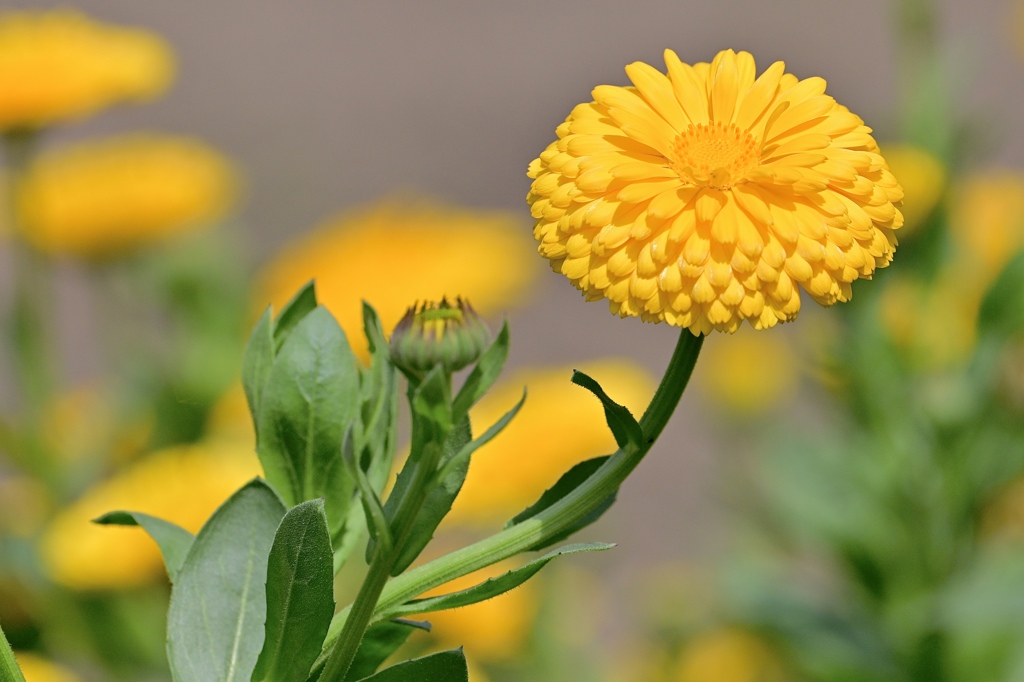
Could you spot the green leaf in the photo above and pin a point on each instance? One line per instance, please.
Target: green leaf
(257, 361)
(174, 541)
(494, 586)
(1002, 310)
(373, 511)
(10, 671)
(624, 426)
(300, 595)
(302, 304)
(380, 641)
(469, 448)
(311, 395)
(445, 666)
(483, 375)
(569, 481)
(218, 605)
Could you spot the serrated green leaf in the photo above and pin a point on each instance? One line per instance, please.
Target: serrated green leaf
(380, 641)
(1002, 309)
(624, 426)
(445, 666)
(483, 375)
(218, 605)
(569, 481)
(311, 395)
(173, 541)
(300, 595)
(294, 311)
(492, 587)
(257, 361)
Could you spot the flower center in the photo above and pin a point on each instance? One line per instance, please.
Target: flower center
(714, 155)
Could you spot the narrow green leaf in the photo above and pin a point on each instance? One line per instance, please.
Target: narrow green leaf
(257, 361)
(483, 375)
(445, 666)
(624, 426)
(373, 510)
(218, 605)
(494, 586)
(302, 304)
(10, 671)
(300, 595)
(569, 481)
(380, 641)
(311, 395)
(173, 541)
(469, 448)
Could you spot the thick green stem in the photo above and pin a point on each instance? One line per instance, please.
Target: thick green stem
(9, 670)
(556, 519)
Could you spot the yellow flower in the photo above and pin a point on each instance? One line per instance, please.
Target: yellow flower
(83, 424)
(728, 655)
(987, 221)
(923, 178)
(393, 254)
(560, 425)
(101, 198)
(749, 373)
(183, 484)
(707, 197)
(61, 65)
(38, 669)
(492, 630)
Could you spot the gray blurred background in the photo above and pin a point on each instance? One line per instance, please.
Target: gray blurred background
(330, 104)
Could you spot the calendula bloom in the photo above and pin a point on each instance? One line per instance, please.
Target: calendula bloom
(36, 668)
(60, 65)
(183, 485)
(728, 655)
(559, 425)
(102, 198)
(923, 178)
(438, 333)
(394, 253)
(709, 196)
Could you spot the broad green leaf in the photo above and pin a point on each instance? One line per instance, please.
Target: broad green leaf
(218, 605)
(311, 395)
(294, 311)
(257, 361)
(1002, 310)
(380, 641)
(620, 420)
(300, 595)
(494, 586)
(569, 481)
(483, 375)
(445, 666)
(173, 541)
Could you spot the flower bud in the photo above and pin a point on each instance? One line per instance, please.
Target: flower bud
(432, 334)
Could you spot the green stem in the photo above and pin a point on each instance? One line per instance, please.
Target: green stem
(9, 669)
(557, 518)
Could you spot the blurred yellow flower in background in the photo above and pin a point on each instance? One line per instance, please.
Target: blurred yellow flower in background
(728, 655)
(987, 221)
(60, 64)
(182, 484)
(83, 423)
(38, 669)
(491, 631)
(923, 178)
(395, 253)
(706, 197)
(101, 198)
(749, 373)
(1003, 517)
(560, 425)
(24, 505)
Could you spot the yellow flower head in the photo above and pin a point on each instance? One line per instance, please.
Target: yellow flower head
(709, 196)
(101, 198)
(923, 178)
(39, 669)
(559, 425)
(183, 484)
(60, 65)
(393, 254)
(728, 655)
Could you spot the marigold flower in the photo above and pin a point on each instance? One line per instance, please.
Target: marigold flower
(183, 484)
(394, 253)
(101, 198)
(728, 655)
(35, 668)
(559, 425)
(707, 196)
(61, 65)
